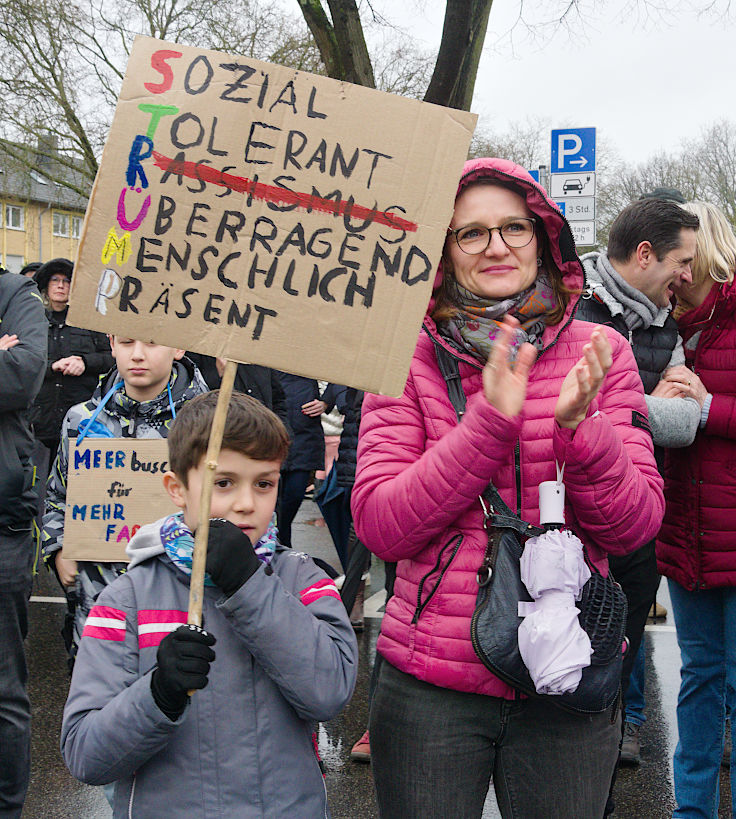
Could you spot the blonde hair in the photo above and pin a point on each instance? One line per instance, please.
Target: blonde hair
(715, 249)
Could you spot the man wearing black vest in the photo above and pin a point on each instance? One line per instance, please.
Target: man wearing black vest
(651, 245)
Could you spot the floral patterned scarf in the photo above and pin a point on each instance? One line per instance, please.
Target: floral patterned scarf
(475, 327)
(178, 543)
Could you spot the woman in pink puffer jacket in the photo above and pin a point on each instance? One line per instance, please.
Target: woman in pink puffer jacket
(541, 388)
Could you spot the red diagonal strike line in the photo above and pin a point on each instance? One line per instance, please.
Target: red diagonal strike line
(280, 196)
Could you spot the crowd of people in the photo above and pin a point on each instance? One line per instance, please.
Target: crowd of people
(614, 370)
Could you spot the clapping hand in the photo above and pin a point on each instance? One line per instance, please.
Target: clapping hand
(504, 384)
(582, 383)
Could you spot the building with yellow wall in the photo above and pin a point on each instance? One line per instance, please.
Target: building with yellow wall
(40, 219)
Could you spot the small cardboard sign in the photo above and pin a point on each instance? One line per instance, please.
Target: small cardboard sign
(114, 487)
(270, 216)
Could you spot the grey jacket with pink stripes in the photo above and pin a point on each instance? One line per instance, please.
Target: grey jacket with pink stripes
(286, 658)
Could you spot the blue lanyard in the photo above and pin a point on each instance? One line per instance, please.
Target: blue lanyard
(115, 387)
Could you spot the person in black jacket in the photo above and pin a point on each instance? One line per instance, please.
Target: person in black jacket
(651, 246)
(353, 554)
(262, 383)
(650, 250)
(350, 403)
(22, 362)
(76, 357)
(307, 452)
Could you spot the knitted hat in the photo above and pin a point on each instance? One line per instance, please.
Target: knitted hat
(30, 269)
(48, 269)
(666, 195)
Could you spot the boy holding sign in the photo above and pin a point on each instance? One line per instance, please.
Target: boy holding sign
(286, 655)
(139, 398)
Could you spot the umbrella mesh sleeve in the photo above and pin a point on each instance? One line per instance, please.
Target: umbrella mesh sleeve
(603, 616)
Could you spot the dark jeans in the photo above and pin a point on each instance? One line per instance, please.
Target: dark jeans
(358, 563)
(16, 554)
(434, 752)
(294, 484)
(637, 574)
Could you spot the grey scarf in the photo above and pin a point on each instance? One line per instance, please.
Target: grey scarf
(637, 310)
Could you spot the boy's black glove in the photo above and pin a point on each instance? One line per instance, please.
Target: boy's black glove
(230, 556)
(183, 663)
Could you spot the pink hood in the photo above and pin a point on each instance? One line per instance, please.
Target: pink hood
(561, 241)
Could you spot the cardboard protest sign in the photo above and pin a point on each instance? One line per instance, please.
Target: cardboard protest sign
(267, 215)
(114, 487)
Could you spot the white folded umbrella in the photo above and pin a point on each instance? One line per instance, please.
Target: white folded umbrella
(553, 645)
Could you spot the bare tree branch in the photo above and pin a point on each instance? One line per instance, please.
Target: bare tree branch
(523, 142)
(704, 168)
(62, 63)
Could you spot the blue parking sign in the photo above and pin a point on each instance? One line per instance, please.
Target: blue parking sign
(573, 149)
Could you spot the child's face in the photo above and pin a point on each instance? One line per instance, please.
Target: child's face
(145, 367)
(244, 493)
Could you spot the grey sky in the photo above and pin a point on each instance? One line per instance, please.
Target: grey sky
(645, 80)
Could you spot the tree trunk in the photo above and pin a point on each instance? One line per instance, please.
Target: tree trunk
(342, 46)
(324, 36)
(353, 51)
(455, 71)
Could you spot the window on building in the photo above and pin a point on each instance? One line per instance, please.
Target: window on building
(61, 224)
(13, 263)
(36, 177)
(14, 217)
(76, 227)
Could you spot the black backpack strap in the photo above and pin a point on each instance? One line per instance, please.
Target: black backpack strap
(450, 370)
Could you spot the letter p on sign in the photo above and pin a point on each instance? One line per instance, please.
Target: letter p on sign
(573, 150)
(568, 145)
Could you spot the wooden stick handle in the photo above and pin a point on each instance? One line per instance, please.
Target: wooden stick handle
(199, 558)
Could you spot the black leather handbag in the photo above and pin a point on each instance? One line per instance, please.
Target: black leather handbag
(495, 624)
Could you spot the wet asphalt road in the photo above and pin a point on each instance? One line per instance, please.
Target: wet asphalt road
(641, 793)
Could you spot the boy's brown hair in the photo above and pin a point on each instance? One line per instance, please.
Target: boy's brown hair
(251, 429)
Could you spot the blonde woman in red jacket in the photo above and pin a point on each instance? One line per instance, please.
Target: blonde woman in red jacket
(441, 724)
(696, 548)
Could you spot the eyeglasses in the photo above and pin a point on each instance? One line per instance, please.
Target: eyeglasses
(59, 280)
(474, 239)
